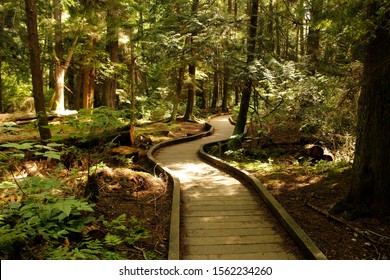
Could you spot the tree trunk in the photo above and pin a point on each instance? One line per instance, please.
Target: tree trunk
(230, 6)
(270, 27)
(278, 37)
(191, 70)
(1, 63)
(191, 93)
(112, 47)
(214, 99)
(236, 95)
(302, 35)
(60, 64)
(203, 96)
(36, 72)
(59, 71)
(89, 80)
(79, 89)
(1, 88)
(88, 88)
(177, 94)
(313, 37)
(247, 90)
(370, 188)
(133, 81)
(225, 90)
(58, 99)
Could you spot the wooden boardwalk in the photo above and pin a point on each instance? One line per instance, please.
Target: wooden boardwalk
(220, 218)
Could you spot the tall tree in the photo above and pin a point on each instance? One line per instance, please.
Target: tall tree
(36, 71)
(1, 87)
(314, 35)
(225, 89)
(89, 73)
(61, 65)
(191, 68)
(370, 188)
(247, 89)
(177, 93)
(1, 59)
(112, 48)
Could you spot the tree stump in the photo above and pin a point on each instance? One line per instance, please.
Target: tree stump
(317, 153)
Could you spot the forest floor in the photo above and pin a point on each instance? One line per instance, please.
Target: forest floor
(306, 191)
(308, 195)
(125, 186)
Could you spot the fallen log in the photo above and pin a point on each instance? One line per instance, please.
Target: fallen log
(23, 117)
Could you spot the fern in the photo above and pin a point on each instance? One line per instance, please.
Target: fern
(112, 240)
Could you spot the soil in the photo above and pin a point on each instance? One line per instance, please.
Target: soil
(309, 197)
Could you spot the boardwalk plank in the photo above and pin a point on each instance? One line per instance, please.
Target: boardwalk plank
(232, 239)
(229, 232)
(234, 249)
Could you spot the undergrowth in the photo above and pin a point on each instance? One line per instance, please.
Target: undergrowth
(41, 217)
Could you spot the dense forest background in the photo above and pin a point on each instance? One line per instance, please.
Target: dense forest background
(300, 63)
(307, 63)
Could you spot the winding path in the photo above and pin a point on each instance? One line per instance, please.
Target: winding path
(220, 218)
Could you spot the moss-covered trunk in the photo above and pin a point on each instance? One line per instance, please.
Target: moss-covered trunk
(370, 189)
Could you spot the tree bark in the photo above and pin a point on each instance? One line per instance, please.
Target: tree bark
(247, 90)
(270, 27)
(36, 71)
(214, 99)
(133, 81)
(314, 35)
(1, 62)
(60, 65)
(225, 90)
(370, 187)
(191, 92)
(191, 70)
(59, 71)
(1, 88)
(89, 80)
(112, 47)
(176, 96)
(88, 89)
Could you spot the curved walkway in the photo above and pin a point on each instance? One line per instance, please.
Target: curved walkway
(220, 218)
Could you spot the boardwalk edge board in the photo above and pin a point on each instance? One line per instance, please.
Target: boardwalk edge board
(306, 244)
(174, 183)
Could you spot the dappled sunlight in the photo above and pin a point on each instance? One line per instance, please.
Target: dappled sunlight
(200, 178)
(288, 181)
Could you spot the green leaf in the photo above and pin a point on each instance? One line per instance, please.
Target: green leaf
(52, 154)
(65, 206)
(54, 145)
(112, 240)
(15, 205)
(7, 185)
(45, 215)
(34, 220)
(24, 146)
(62, 216)
(76, 225)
